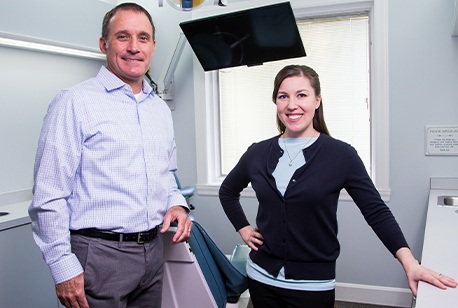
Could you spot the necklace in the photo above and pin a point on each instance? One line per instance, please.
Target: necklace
(292, 159)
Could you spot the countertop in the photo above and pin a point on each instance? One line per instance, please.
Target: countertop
(440, 251)
(18, 215)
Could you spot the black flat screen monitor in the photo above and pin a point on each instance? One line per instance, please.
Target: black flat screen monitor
(249, 37)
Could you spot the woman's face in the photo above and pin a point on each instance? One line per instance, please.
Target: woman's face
(296, 104)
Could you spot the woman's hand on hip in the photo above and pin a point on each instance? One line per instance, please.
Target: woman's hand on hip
(252, 237)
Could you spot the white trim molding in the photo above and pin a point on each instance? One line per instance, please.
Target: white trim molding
(455, 20)
(380, 99)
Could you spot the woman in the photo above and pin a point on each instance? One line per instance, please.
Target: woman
(297, 177)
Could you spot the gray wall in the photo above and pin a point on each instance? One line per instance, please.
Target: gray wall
(72, 22)
(423, 68)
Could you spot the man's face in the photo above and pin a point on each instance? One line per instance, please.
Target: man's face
(129, 47)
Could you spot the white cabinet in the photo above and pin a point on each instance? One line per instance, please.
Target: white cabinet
(25, 280)
(440, 251)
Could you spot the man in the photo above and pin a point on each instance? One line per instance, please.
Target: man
(104, 177)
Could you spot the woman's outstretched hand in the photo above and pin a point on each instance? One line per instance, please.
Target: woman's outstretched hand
(416, 272)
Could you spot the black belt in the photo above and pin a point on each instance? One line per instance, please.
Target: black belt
(139, 237)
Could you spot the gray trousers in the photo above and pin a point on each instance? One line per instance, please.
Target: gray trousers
(121, 274)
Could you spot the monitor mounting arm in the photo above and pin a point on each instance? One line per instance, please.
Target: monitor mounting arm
(165, 86)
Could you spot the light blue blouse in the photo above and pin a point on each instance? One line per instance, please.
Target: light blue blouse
(291, 160)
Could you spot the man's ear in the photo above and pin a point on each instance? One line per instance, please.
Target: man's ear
(103, 45)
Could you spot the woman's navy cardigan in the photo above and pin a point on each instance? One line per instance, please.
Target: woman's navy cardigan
(300, 228)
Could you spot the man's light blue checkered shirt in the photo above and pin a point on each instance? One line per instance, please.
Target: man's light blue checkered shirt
(105, 161)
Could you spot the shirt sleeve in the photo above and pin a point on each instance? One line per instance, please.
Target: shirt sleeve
(57, 161)
(175, 196)
(229, 193)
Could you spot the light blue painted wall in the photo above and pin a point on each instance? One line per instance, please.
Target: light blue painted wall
(73, 22)
(423, 70)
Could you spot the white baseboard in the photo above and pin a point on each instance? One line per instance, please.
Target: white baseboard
(375, 295)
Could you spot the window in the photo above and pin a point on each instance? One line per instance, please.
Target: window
(216, 154)
(338, 49)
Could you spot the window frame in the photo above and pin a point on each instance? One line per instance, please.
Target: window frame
(206, 94)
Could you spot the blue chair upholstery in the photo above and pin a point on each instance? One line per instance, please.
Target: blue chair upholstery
(225, 281)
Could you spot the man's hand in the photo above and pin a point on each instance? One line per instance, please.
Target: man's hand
(178, 213)
(71, 293)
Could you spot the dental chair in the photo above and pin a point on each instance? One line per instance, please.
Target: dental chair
(198, 274)
(186, 191)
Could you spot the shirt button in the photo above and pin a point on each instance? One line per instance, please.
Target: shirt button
(294, 180)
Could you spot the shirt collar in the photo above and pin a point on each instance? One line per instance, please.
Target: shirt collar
(111, 82)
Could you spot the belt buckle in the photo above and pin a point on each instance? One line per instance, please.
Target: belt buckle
(139, 240)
